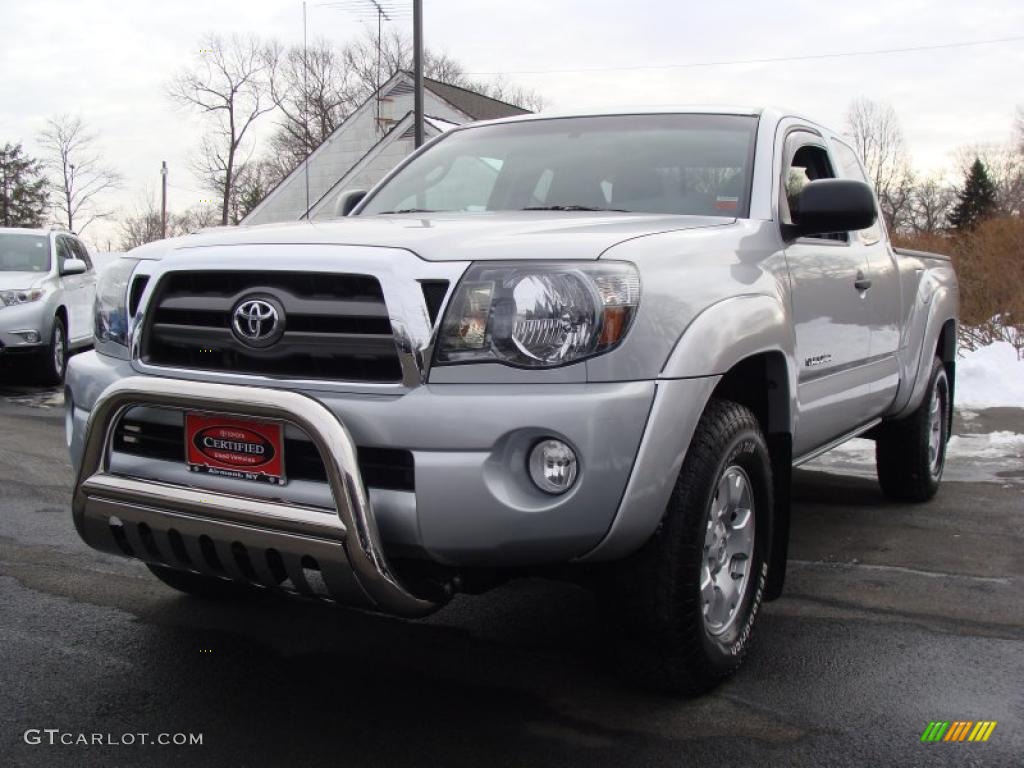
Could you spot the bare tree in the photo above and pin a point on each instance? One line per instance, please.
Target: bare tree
(517, 95)
(144, 225)
(878, 138)
(80, 176)
(254, 183)
(229, 86)
(313, 92)
(930, 204)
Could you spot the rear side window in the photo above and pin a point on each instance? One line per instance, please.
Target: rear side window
(851, 168)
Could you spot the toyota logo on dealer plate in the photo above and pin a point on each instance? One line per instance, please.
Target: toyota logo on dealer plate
(258, 322)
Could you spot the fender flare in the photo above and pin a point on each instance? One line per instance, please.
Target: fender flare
(718, 338)
(730, 331)
(943, 309)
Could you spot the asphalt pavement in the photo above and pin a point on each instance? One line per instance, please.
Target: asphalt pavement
(893, 616)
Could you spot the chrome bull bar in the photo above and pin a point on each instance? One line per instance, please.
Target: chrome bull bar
(346, 546)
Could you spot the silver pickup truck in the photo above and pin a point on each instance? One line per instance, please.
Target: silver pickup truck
(590, 347)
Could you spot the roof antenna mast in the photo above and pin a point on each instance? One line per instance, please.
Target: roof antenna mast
(417, 45)
(305, 109)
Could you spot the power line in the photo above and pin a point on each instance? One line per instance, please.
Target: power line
(766, 60)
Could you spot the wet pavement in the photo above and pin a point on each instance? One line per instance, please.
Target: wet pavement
(894, 615)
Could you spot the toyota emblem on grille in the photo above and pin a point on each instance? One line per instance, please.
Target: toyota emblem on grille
(258, 322)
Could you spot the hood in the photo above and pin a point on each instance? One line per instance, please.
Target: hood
(21, 281)
(459, 236)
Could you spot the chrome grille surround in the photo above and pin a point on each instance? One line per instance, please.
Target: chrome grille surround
(400, 273)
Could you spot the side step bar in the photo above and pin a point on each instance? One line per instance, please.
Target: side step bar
(349, 539)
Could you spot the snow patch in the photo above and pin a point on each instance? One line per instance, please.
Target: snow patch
(990, 377)
(992, 457)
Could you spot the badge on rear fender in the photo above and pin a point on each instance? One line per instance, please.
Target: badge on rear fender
(239, 448)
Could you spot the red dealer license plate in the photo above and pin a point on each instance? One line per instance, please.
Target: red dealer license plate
(238, 448)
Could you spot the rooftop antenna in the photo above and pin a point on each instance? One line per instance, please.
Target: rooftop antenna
(305, 109)
(380, 11)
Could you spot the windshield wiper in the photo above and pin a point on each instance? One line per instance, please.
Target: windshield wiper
(572, 208)
(409, 210)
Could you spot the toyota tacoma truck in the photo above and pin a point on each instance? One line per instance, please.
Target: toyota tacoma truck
(588, 347)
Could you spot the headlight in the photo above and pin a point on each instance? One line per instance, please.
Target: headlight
(538, 315)
(111, 321)
(10, 298)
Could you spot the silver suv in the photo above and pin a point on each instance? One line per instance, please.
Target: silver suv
(590, 347)
(47, 289)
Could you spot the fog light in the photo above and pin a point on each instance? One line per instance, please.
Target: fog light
(553, 466)
(29, 337)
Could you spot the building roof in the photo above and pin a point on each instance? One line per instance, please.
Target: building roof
(402, 129)
(476, 105)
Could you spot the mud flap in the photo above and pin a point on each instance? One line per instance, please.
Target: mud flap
(780, 446)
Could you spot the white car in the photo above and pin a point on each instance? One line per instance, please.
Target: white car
(47, 293)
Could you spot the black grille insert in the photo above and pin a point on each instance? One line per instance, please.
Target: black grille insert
(386, 468)
(336, 326)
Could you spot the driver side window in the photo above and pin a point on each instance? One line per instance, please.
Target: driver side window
(81, 252)
(807, 160)
(64, 252)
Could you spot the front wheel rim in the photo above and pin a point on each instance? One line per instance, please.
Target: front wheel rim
(58, 350)
(728, 550)
(936, 416)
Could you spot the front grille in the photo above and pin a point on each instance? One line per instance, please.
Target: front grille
(336, 326)
(385, 468)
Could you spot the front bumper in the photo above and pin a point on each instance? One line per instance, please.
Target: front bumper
(473, 503)
(180, 526)
(14, 320)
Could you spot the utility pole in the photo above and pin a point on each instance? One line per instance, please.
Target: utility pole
(417, 46)
(163, 199)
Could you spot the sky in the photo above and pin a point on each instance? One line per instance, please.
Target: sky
(109, 61)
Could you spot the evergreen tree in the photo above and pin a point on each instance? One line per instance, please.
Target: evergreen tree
(24, 196)
(976, 201)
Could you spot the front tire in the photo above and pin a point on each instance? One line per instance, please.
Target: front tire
(685, 604)
(54, 361)
(910, 454)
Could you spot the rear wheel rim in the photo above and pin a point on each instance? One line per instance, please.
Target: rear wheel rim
(936, 417)
(58, 349)
(728, 550)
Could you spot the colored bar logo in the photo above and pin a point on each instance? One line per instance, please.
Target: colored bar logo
(958, 730)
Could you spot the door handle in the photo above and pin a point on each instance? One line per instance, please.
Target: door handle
(861, 283)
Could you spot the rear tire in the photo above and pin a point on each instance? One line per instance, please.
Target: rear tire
(198, 585)
(684, 605)
(910, 454)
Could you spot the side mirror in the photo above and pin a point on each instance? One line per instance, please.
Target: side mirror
(72, 267)
(347, 201)
(833, 205)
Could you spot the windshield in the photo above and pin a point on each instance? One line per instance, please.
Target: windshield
(24, 253)
(675, 164)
